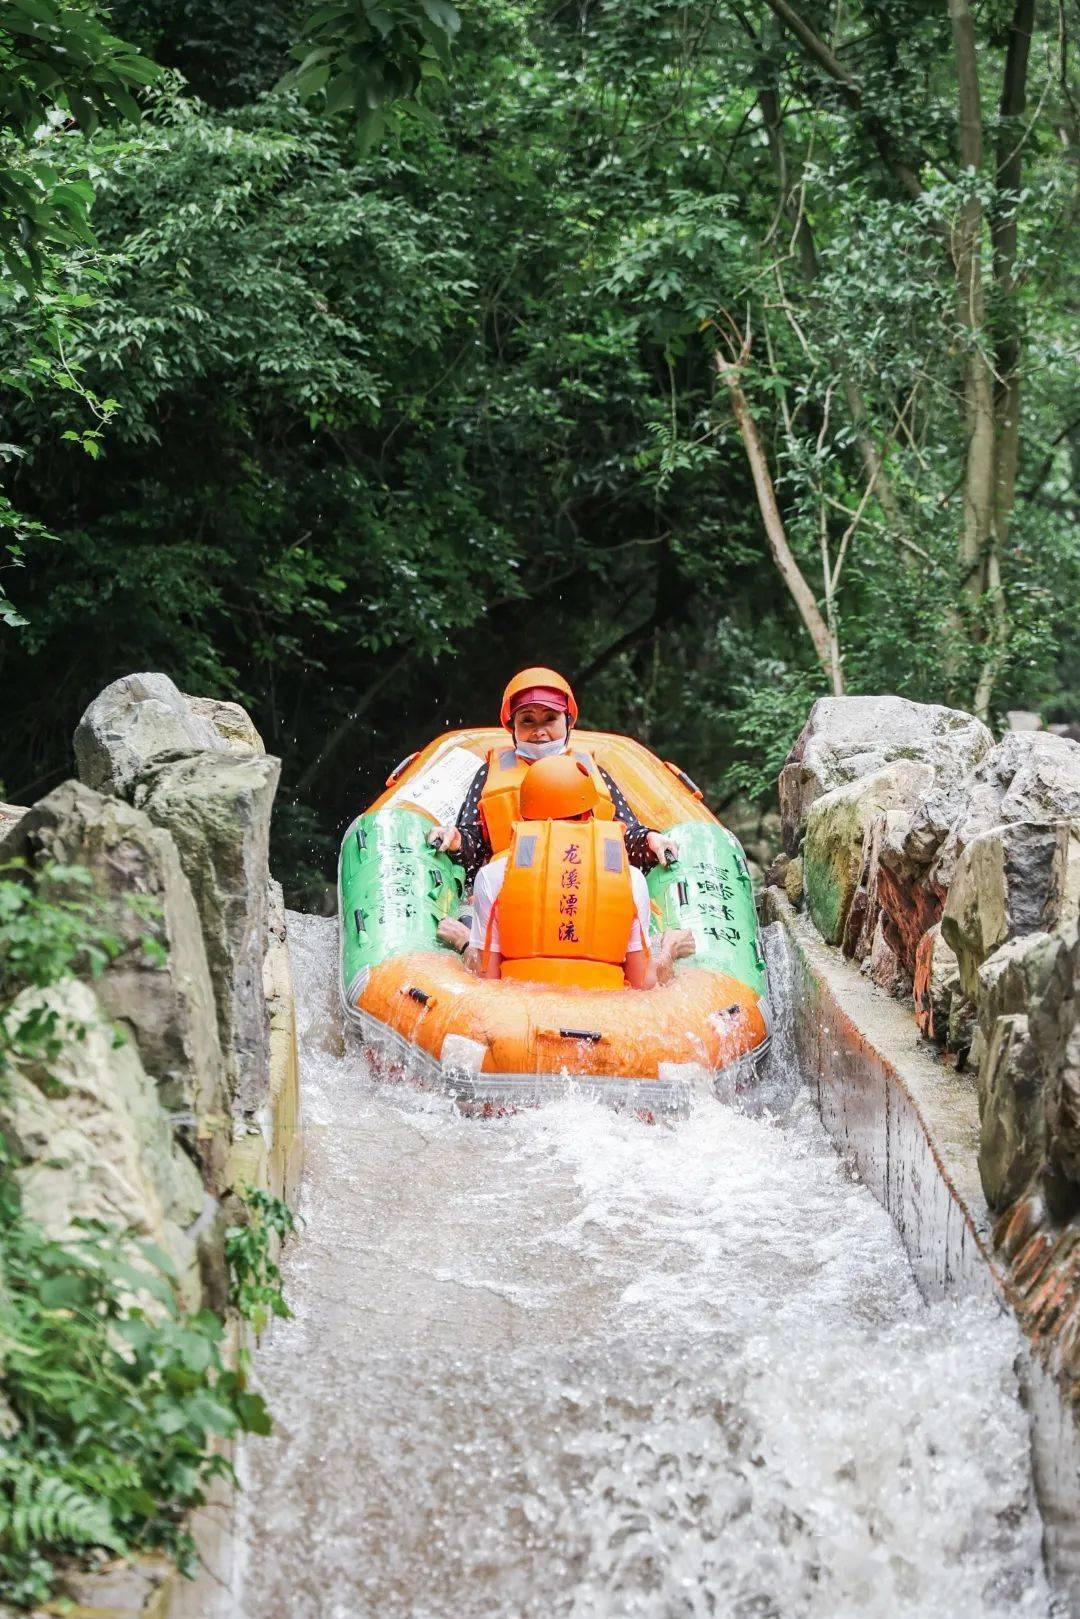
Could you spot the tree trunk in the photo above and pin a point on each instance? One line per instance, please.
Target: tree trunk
(1003, 235)
(967, 254)
(782, 555)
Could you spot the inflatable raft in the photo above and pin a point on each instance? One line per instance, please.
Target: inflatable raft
(498, 1044)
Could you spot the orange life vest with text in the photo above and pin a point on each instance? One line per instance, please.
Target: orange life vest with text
(500, 801)
(566, 907)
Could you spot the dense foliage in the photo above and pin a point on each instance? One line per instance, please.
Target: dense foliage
(112, 1408)
(351, 430)
(112, 1398)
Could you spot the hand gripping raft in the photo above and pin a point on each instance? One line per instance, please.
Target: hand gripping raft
(498, 1044)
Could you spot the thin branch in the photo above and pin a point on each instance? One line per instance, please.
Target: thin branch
(826, 59)
(1044, 470)
(845, 538)
(729, 359)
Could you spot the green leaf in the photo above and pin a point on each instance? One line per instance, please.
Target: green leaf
(443, 15)
(254, 1417)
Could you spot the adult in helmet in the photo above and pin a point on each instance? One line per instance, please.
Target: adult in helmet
(539, 710)
(563, 905)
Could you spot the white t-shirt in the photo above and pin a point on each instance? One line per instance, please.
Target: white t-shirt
(489, 880)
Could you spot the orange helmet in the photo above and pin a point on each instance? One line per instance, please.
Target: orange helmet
(537, 683)
(556, 789)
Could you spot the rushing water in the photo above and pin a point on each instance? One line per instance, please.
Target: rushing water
(568, 1364)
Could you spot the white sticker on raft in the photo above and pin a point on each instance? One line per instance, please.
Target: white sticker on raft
(440, 789)
(693, 1074)
(458, 1051)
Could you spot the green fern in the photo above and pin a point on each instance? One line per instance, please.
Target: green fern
(45, 1510)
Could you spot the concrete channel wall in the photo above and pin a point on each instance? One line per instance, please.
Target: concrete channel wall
(910, 1124)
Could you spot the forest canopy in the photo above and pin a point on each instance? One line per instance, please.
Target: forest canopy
(721, 354)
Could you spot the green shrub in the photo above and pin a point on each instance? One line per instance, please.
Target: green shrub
(256, 1280)
(113, 1401)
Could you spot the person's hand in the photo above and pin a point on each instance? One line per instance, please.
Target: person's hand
(454, 933)
(677, 944)
(664, 848)
(447, 839)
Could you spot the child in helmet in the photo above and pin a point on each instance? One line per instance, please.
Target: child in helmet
(563, 905)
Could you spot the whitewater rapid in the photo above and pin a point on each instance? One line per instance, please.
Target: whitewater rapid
(568, 1365)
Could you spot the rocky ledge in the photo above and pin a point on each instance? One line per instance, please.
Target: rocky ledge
(157, 1130)
(948, 866)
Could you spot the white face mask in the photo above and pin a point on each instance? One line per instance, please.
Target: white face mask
(540, 750)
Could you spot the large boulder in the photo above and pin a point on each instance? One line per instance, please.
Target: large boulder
(1012, 1114)
(90, 1138)
(1054, 1021)
(158, 987)
(1010, 881)
(233, 724)
(848, 737)
(1028, 776)
(1029, 1070)
(134, 721)
(217, 808)
(839, 833)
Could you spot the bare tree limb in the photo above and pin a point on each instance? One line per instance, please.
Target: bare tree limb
(729, 358)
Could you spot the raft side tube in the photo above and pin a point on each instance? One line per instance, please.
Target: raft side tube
(708, 889)
(670, 1096)
(393, 890)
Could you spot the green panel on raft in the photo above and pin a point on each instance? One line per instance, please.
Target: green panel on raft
(709, 891)
(394, 889)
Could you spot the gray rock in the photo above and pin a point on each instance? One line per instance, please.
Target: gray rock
(1015, 977)
(1055, 1028)
(792, 879)
(1029, 1070)
(90, 1137)
(158, 988)
(883, 967)
(9, 815)
(839, 832)
(913, 847)
(1010, 881)
(848, 737)
(232, 723)
(1028, 776)
(135, 720)
(217, 807)
(1012, 1114)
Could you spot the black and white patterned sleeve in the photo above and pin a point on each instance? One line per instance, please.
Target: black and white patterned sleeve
(637, 848)
(475, 849)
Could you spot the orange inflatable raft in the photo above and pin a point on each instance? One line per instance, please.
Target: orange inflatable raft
(494, 1044)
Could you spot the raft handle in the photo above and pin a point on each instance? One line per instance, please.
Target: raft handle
(420, 995)
(358, 918)
(400, 769)
(687, 782)
(682, 892)
(592, 1035)
(361, 840)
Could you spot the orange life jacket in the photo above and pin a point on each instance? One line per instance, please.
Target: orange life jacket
(566, 906)
(500, 801)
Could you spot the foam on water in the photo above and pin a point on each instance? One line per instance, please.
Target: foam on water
(570, 1366)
